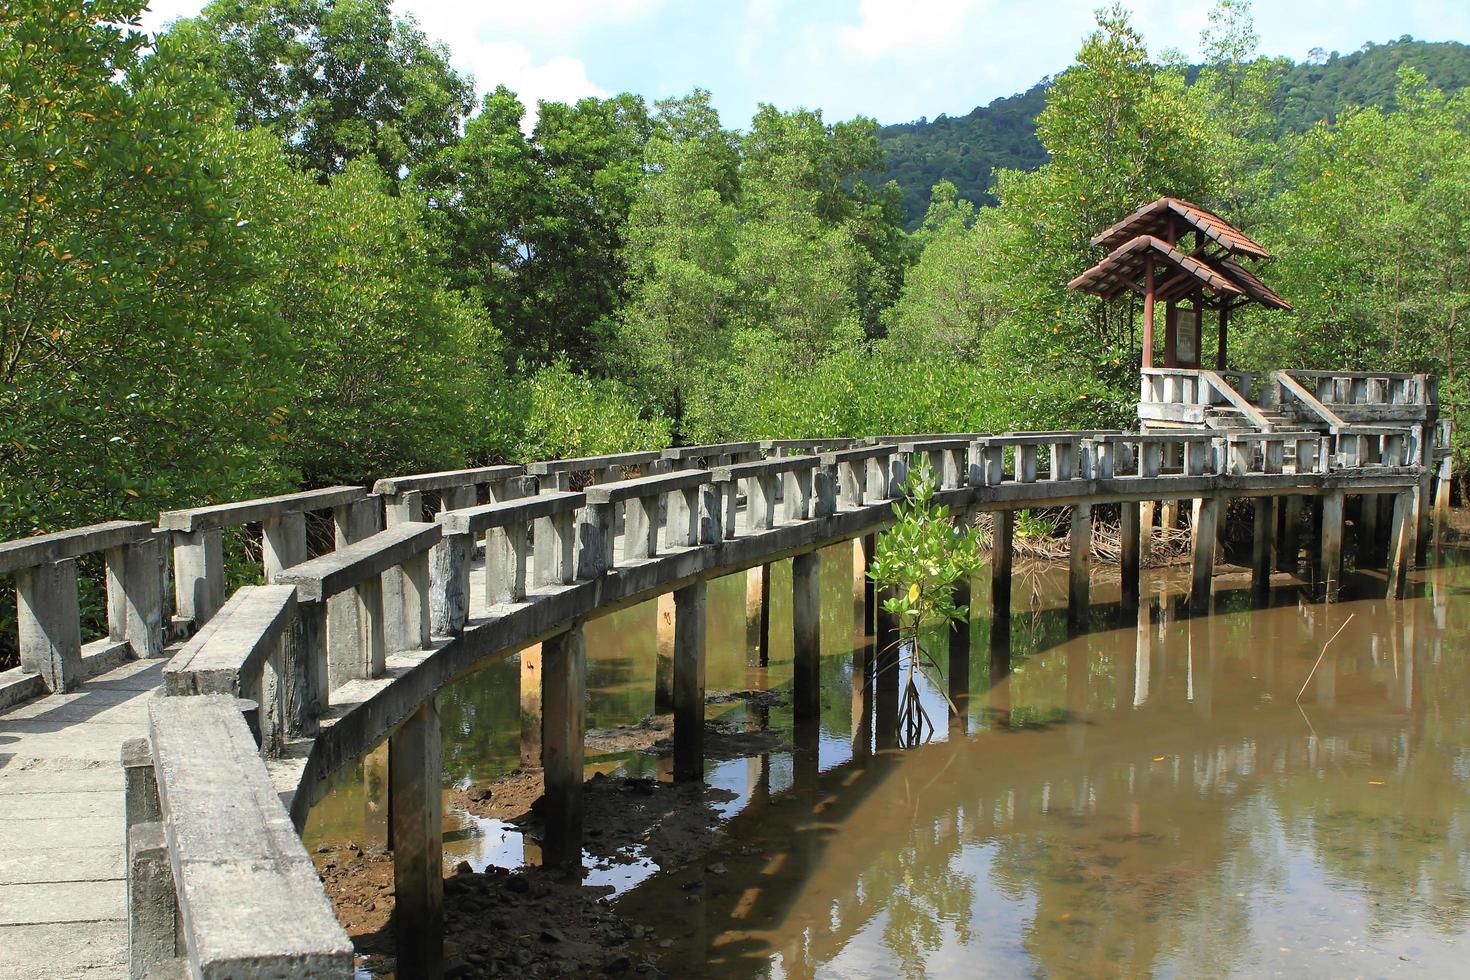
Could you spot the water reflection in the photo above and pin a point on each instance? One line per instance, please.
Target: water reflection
(1168, 794)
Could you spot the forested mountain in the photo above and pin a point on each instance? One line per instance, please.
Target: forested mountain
(965, 149)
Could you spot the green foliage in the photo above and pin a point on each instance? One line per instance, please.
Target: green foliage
(968, 150)
(923, 557)
(334, 79)
(562, 414)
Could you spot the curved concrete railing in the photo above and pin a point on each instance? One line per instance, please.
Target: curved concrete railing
(286, 684)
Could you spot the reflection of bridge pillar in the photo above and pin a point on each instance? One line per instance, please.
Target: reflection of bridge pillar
(1079, 581)
(1142, 658)
(415, 774)
(885, 681)
(563, 696)
(530, 672)
(758, 612)
(1000, 689)
(864, 590)
(688, 670)
(1001, 554)
(1130, 551)
(663, 664)
(1202, 667)
(806, 634)
(959, 661)
(1078, 664)
(862, 701)
(376, 799)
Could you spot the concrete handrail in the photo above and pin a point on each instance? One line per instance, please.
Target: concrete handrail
(509, 513)
(1237, 401)
(48, 610)
(216, 516)
(1309, 401)
(352, 565)
(446, 479)
(214, 858)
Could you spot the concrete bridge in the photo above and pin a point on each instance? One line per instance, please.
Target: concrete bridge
(186, 857)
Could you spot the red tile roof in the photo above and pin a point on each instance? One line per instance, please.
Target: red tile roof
(1154, 219)
(1176, 275)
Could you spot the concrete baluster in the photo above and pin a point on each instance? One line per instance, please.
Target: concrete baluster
(49, 624)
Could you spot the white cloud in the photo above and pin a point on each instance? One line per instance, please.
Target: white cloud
(509, 63)
(888, 28)
(552, 19)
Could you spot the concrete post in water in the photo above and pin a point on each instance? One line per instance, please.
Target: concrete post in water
(862, 700)
(1263, 531)
(1001, 553)
(1366, 538)
(563, 694)
(1291, 523)
(959, 660)
(688, 671)
(806, 633)
(530, 672)
(153, 905)
(415, 779)
(49, 624)
(1402, 543)
(199, 575)
(1332, 505)
(1146, 515)
(1130, 557)
(885, 679)
(1202, 545)
(664, 654)
(1079, 585)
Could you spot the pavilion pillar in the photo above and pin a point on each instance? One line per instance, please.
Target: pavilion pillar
(1220, 348)
(1148, 313)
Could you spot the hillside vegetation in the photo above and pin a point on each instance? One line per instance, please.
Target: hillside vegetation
(965, 150)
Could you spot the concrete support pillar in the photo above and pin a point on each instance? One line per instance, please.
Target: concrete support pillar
(1146, 515)
(959, 661)
(806, 633)
(663, 668)
(1130, 555)
(1332, 506)
(1402, 543)
(153, 905)
(1079, 580)
(1202, 545)
(199, 575)
(862, 700)
(530, 672)
(1169, 515)
(688, 670)
(1291, 523)
(1001, 554)
(563, 700)
(415, 779)
(49, 624)
(1444, 485)
(1263, 531)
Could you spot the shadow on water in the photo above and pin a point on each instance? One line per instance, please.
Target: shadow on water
(1151, 796)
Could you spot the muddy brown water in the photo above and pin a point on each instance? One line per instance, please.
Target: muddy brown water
(1152, 797)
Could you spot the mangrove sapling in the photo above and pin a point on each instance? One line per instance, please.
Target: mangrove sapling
(921, 559)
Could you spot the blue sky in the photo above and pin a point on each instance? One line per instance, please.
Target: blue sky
(894, 60)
